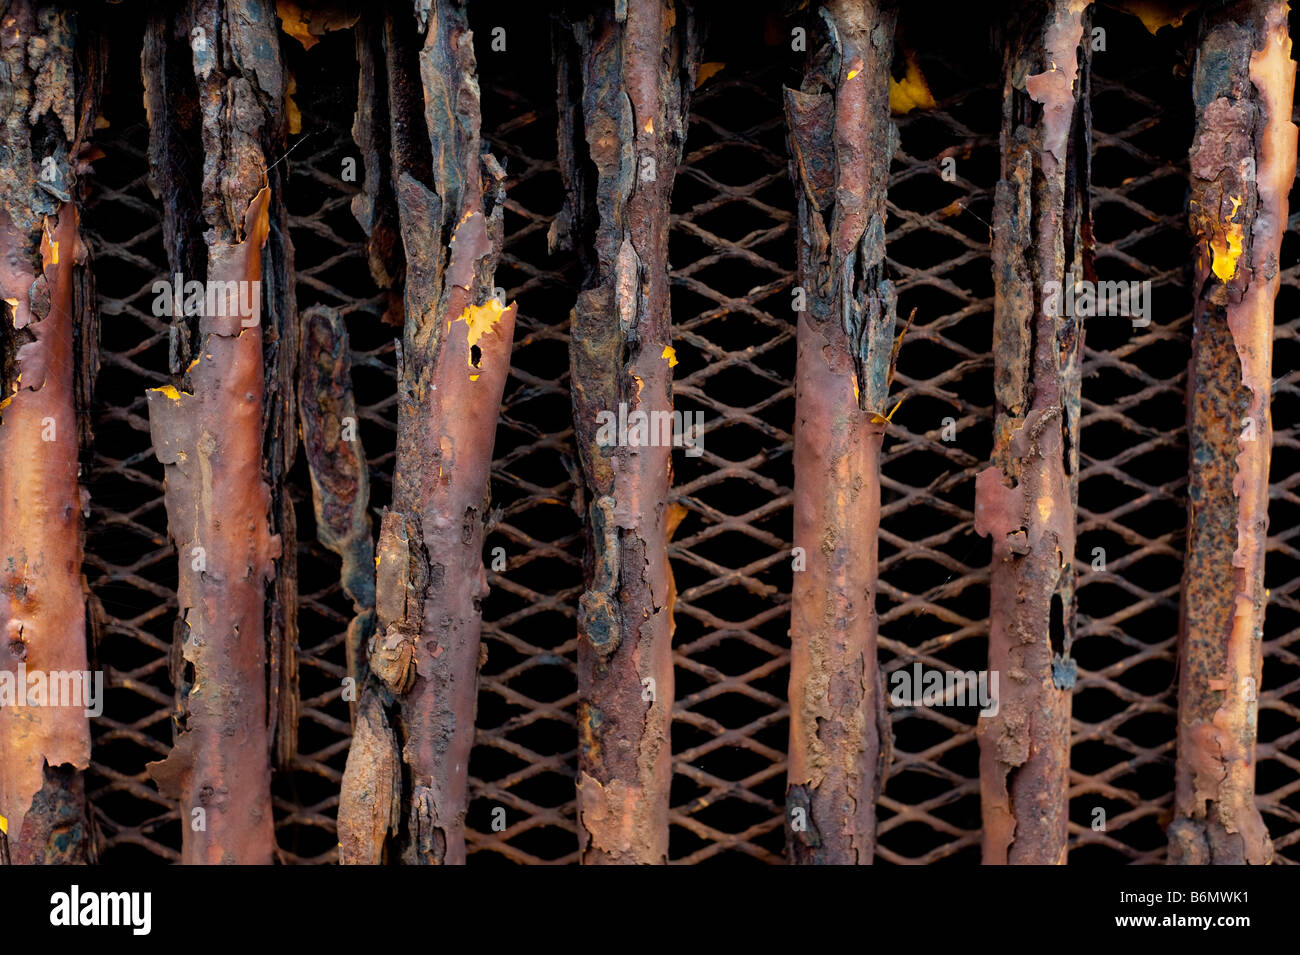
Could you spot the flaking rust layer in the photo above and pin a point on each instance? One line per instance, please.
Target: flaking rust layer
(340, 479)
(1025, 502)
(1242, 167)
(210, 427)
(209, 440)
(626, 73)
(841, 143)
(48, 103)
(41, 604)
(406, 785)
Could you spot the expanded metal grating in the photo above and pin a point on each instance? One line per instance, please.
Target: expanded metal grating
(130, 565)
(732, 258)
(1133, 457)
(933, 601)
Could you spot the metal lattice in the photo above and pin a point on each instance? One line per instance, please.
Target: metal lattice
(731, 251)
(130, 564)
(526, 743)
(933, 599)
(1133, 461)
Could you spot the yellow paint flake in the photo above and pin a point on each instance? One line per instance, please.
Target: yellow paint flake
(650, 125)
(853, 73)
(481, 319)
(671, 354)
(1227, 247)
(4, 825)
(168, 391)
(707, 71)
(463, 219)
(876, 416)
(912, 91)
(639, 385)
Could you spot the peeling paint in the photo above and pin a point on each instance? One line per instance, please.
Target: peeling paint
(43, 750)
(430, 578)
(841, 142)
(1243, 87)
(1025, 501)
(628, 79)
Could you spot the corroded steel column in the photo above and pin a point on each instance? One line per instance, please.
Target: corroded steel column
(1242, 166)
(1026, 500)
(208, 433)
(841, 142)
(625, 85)
(455, 360)
(47, 110)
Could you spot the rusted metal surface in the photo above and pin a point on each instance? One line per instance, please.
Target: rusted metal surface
(842, 140)
(1242, 167)
(729, 753)
(1026, 500)
(46, 112)
(625, 79)
(208, 433)
(339, 478)
(429, 570)
(375, 206)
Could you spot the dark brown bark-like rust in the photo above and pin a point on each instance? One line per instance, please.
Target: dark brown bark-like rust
(45, 117)
(625, 84)
(430, 578)
(375, 206)
(1242, 167)
(208, 432)
(841, 141)
(1026, 500)
(340, 480)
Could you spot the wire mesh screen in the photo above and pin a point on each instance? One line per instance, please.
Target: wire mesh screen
(1133, 457)
(732, 252)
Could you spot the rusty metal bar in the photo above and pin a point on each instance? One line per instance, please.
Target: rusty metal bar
(47, 110)
(625, 75)
(340, 480)
(455, 360)
(208, 433)
(1026, 500)
(841, 141)
(1243, 164)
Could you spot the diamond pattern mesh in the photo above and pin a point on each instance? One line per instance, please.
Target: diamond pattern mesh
(933, 601)
(731, 251)
(130, 565)
(1133, 460)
